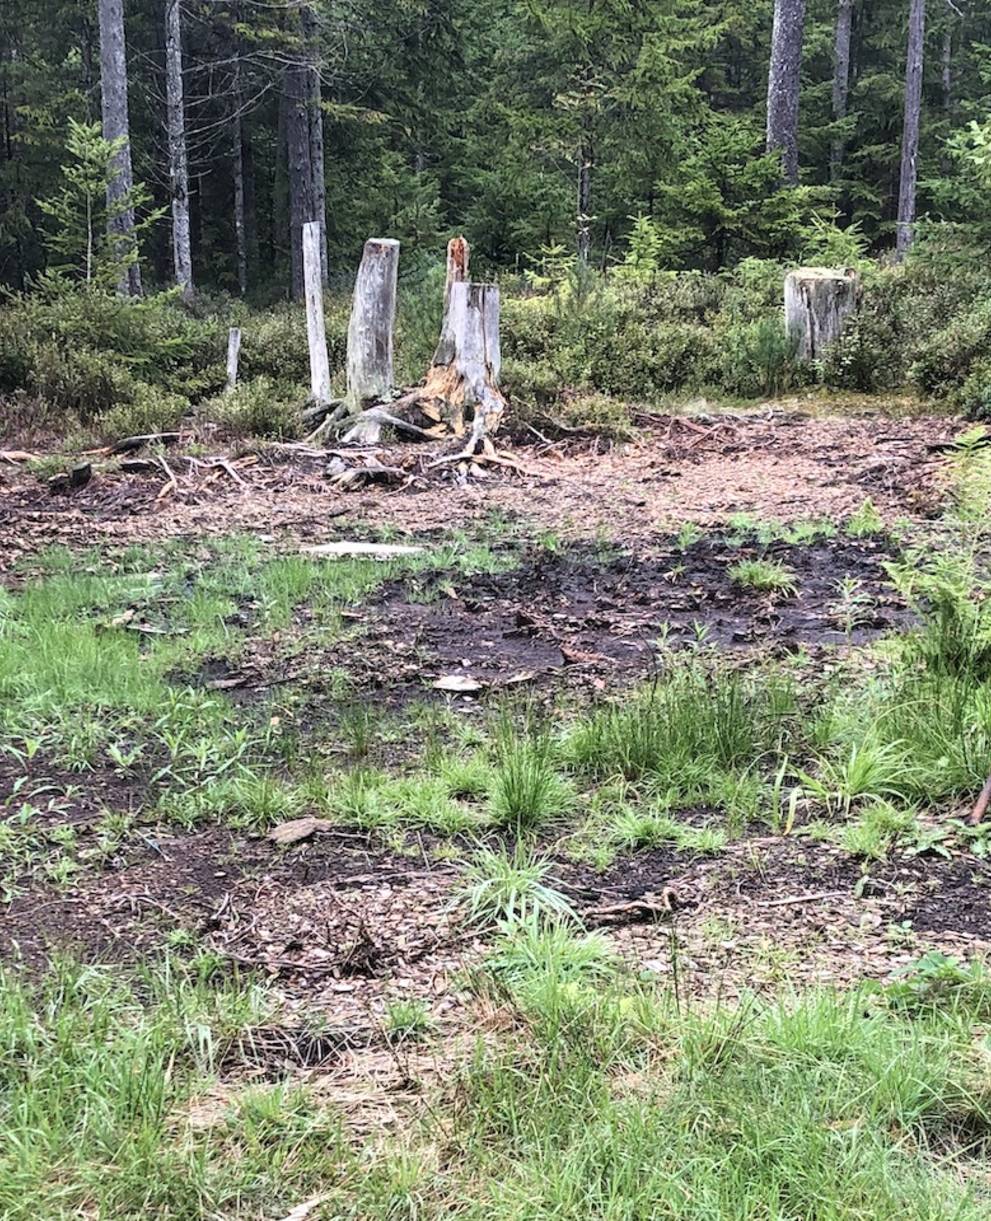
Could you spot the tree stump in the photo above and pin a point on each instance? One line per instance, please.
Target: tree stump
(370, 331)
(463, 377)
(465, 370)
(817, 300)
(233, 353)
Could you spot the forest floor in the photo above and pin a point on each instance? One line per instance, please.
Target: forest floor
(569, 867)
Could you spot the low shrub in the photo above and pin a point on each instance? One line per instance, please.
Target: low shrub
(759, 358)
(259, 408)
(946, 358)
(274, 343)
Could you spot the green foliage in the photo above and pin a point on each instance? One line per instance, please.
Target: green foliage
(79, 215)
(688, 733)
(759, 358)
(614, 1103)
(116, 363)
(947, 593)
(275, 346)
(765, 576)
(527, 791)
(945, 359)
(258, 408)
(407, 1020)
(510, 887)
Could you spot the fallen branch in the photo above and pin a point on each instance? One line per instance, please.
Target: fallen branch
(130, 444)
(375, 551)
(347, 477)
(172, 483)
(640, 911)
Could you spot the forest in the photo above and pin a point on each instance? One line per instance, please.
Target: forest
(495, 610)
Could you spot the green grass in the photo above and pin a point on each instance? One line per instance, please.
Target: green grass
(592, 1093)
(817, 1108)
(507, 887)
(527, 790)
(765, 576)
(604, 1096)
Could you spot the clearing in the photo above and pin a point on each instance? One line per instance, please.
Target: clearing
(624, 848)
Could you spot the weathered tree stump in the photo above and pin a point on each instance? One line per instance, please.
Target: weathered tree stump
(463, 379)
(817, 301)
(373, 319)
(465, 370)
(233, 355)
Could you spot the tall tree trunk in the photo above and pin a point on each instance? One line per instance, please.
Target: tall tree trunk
(315, 100)
(182, 257)
(240, 220)
(116, 125)
(841, 82)
(299, 166)
(783, 83)
(910, 130)
(586, 161)
(948, 67)
(11, 199)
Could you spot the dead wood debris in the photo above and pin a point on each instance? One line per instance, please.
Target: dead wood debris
(350, 477)
(646, 910)
(981, 805)
(298, 829)
(76, 477)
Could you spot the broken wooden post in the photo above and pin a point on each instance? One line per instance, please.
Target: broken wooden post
(370, 330)
(233, 352)
(465, 372)
(817, 300)
(458, 254)
(315, 333)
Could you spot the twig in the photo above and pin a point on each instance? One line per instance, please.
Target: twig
(807, 898)
(981, 805)
(172, 484)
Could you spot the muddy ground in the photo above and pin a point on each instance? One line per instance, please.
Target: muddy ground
(340, 923)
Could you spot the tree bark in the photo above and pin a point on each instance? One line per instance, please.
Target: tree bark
(586, 161)
(948, 67)
(469, 377)
(370, 330)
(299, 166)
(240, 218)
(783, 85)
(315, 114)
(817, 300)
(315, 332)
(841, 82)
(910, 131)
(182, 257)
(116, 126)
(458, 256)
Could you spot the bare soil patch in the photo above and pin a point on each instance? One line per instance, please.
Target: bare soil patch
(574, 616)
(780, 465)
(342, 924)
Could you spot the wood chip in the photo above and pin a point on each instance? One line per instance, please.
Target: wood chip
(298, 829)
(302, 1211)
